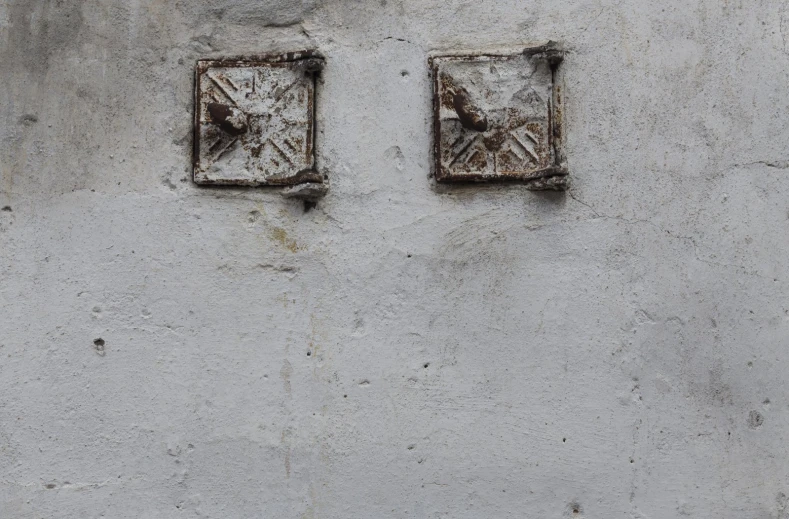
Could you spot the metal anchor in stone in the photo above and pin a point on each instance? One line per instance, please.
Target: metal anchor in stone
(470, 115)
(228, 118)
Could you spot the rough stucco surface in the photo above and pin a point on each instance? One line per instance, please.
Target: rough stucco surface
(401, 350)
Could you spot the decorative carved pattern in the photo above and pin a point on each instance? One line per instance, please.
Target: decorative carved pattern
(254, 121)
(497, 117)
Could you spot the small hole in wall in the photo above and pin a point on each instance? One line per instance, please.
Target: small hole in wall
(564, 440)
(426, 365)
(7, 208)
(309, 353)
(345, 396)
(98, 344)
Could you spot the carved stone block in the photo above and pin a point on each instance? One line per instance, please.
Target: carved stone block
(254, 120)
(499, 118)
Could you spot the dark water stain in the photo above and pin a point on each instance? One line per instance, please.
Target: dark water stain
(39, 29)
(273, 13)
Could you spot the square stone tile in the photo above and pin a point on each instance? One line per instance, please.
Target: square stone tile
(499, 118)
(254, 120)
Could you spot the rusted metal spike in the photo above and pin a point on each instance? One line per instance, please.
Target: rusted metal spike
(229, 119)
(471, 117)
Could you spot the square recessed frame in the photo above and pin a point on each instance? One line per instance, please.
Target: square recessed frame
(255, 120)
(498, 117)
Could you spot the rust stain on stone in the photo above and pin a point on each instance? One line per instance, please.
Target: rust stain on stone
(280, 235)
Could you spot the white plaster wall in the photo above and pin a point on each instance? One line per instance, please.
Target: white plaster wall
(401, 350)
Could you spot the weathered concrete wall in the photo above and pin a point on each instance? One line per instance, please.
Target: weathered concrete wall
(400, 350)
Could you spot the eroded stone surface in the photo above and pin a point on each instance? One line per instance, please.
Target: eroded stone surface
(254, 121)
(496, 119)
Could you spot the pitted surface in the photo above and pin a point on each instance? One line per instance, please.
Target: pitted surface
(399, 348)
